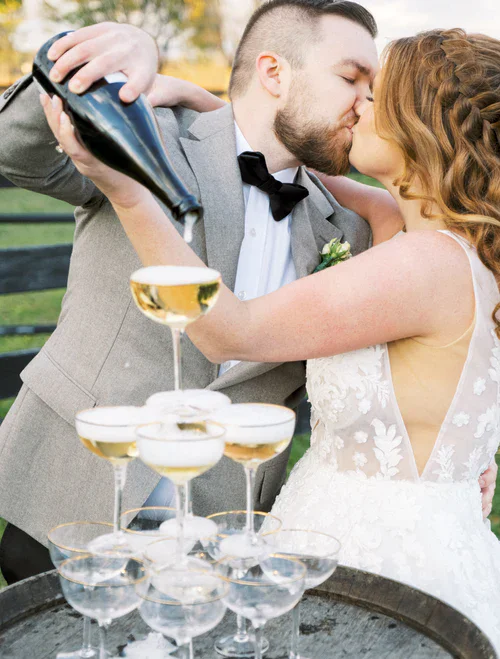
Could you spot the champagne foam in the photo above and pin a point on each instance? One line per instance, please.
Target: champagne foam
(173, 275)
(202, 399)
(112, 424)
(179, 448)
(254, 423)
(181, 453)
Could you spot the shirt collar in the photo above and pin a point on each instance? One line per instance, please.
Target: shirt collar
(285, 175)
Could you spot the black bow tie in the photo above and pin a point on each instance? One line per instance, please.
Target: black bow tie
(282, 196)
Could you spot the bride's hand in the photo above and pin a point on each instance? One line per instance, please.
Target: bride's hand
(168, 91)
(121, 190)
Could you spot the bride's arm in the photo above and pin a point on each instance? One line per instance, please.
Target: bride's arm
(386, 293)
(375, 205)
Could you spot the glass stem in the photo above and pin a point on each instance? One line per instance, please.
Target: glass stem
(180, 496)
(294, 645)
(87, 650)
(250, 483)
(102, 640)
(185, 650)
(188, 507)
(120, 472)
(257, 642)
(241, 629)
(176, 339)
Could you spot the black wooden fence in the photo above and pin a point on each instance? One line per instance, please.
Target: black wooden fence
(25, 269)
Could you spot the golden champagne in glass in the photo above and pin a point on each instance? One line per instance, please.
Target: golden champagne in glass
(109, 433)
(255, 433)
(175, 296)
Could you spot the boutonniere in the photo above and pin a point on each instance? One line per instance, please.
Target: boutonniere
(332, 253)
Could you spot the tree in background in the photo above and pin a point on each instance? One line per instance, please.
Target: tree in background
(10, 16)
(198, 21)
(204, 23)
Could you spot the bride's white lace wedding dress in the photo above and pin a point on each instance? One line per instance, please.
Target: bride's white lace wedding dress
(359, 480)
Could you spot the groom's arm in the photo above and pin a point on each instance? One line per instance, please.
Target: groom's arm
(28, 157)
(375, 205)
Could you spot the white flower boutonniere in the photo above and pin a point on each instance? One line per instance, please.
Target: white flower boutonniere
(332, 253)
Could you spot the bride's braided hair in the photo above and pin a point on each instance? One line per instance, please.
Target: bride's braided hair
(439, 100)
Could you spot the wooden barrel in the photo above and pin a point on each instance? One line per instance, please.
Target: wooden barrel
(353, 615)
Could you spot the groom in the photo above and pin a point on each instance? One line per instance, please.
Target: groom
(301, 78)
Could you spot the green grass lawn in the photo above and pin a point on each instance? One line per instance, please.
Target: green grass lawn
(44, 306)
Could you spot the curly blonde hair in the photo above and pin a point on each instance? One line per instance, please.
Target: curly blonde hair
(439, 101)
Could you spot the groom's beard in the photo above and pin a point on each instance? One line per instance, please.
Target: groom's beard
(320, 146)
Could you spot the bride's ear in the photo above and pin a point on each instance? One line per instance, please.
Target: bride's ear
(273, 72)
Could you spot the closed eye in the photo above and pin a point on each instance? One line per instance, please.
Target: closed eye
(348, 80)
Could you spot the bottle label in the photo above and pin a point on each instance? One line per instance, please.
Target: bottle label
(116, 77)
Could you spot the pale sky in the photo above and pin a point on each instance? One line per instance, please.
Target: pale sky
(399, 18)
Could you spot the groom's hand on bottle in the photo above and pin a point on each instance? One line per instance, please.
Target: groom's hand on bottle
(487, 483)
(103, 49)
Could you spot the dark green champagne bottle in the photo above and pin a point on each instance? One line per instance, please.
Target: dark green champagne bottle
(124, 136)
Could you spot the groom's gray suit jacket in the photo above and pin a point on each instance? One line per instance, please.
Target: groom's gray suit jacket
(104, 351)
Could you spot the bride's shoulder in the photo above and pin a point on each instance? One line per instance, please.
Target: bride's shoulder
(429, 245)
(428, 258)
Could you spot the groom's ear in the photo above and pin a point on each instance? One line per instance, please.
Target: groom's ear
(273, 72)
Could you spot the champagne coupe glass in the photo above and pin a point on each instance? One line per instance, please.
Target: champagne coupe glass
(175, 296)
(68, 541)
(240, 644)
(162, 554)
(180, 453)
(184, 604)
(142, 525)
(270, 588)
(255, 433)
(319, 553)
(192, 405)
(103, 588)
(109, 432)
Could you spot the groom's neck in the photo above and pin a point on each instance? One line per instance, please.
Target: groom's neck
(255, 119)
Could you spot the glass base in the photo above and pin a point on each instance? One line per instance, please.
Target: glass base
(232, 646)
(154, 645)
(79, 654)
(195, 528)
(112, 543)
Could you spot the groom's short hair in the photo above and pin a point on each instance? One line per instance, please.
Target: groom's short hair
(287, 27)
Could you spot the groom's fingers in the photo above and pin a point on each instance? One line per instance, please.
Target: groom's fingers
(489, 477)
(70, 40)
(487, 504)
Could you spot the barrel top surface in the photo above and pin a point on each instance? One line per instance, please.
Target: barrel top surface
(354, 614)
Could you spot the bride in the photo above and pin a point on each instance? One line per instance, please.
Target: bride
(404, 372)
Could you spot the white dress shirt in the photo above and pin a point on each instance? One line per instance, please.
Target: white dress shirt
(265, 264)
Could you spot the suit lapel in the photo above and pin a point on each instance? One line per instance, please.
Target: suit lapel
(310, 228)
(212, 156)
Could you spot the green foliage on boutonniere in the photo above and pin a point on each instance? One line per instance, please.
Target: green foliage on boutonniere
(332, 253)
